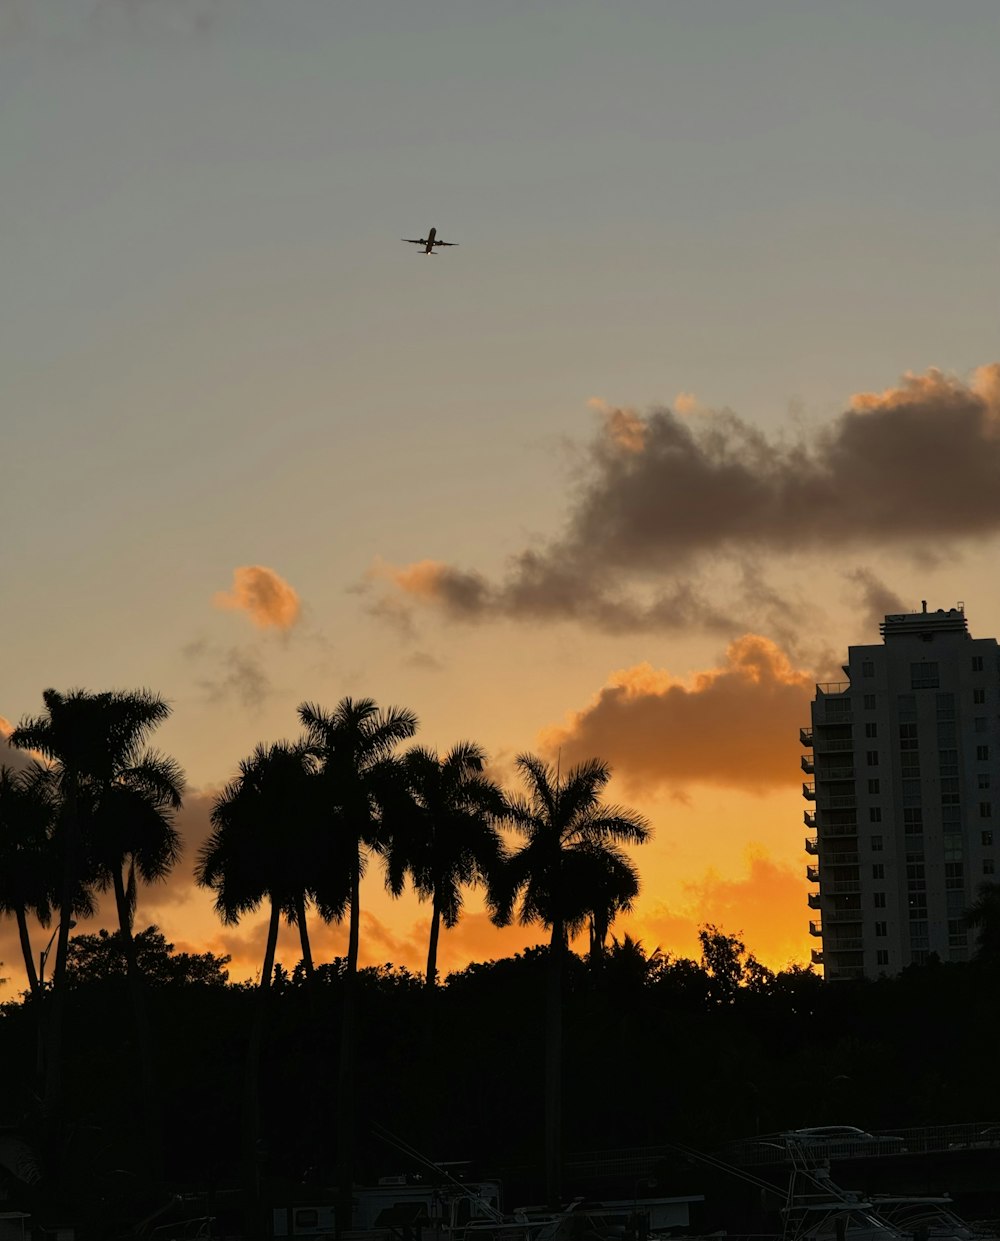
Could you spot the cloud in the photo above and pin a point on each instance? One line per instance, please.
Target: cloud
(230, 673)
(267, 599)
(539, 590)
(759, 907)
(877, 600)
(734, 726)
(666, 499)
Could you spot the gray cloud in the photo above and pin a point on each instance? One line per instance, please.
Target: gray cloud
(663, 498)
(877, 600)
(234, 673)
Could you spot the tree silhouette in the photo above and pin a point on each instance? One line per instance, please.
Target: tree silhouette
(259, 850)
(354, 745)
(94, 742)
(27, 873)
(571, 840)
(450, 840)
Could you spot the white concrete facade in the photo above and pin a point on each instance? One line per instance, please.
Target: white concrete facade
(903, 772)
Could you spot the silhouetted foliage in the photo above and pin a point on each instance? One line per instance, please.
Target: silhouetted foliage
(100, 958)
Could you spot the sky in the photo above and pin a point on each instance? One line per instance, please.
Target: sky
(711, 382)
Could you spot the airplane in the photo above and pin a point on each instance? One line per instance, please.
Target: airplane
(428, 242)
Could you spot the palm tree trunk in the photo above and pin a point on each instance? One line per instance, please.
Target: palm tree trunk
(144, 1036)
(432, 950)
(300, 917)
(553, 1070)
(345, 1071)
(26, 951)
(54, 1009)
(251, 1093)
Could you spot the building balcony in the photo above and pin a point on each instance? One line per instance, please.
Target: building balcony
(809, 818)
(830, 688)
(812, 900)
(808, 764)
(838, 917)
(836, 801)
(809, 790)
(806, 737)
(840, 859)
(830, 774)
(812, 845)
(816, 956)
(812, 874)
(852, 944)
(816, 928)
(842, 887)
(846, 973)
(839, 830)
(834, 745)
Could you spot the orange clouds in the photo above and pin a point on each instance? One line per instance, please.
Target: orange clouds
(734, 726)
(267, 599)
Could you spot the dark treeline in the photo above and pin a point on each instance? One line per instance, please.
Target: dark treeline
(656, 1050)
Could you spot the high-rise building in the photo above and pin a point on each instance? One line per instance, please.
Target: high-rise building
(904, 777)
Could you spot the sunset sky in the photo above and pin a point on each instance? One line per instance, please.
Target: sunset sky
(711, 382)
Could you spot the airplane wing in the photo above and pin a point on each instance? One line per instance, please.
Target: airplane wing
(415, 241)
(446, 243)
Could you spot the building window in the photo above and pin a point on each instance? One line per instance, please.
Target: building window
(882, 956)
(986, 838)
(879, 900)
(873, 758)
(986, 810)
(949, 792)
(982, 753)
(877, 844)
(878, 870)
(869, 702)
(954, 874)
(983, 780)
(977, 663)
(979, 697)
(913, 820)
(945, 705)
(924, 676)
(987, 866)
(873, 786)
(881, 929)
(907, 736)
(874, 814)
(867, 667)
(871, 729)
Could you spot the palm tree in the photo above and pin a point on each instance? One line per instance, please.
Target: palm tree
(93, 741)
(612, 889)
(451, 840)
(260, 850)
(27, 810)
(571, 840)
(359, 778)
